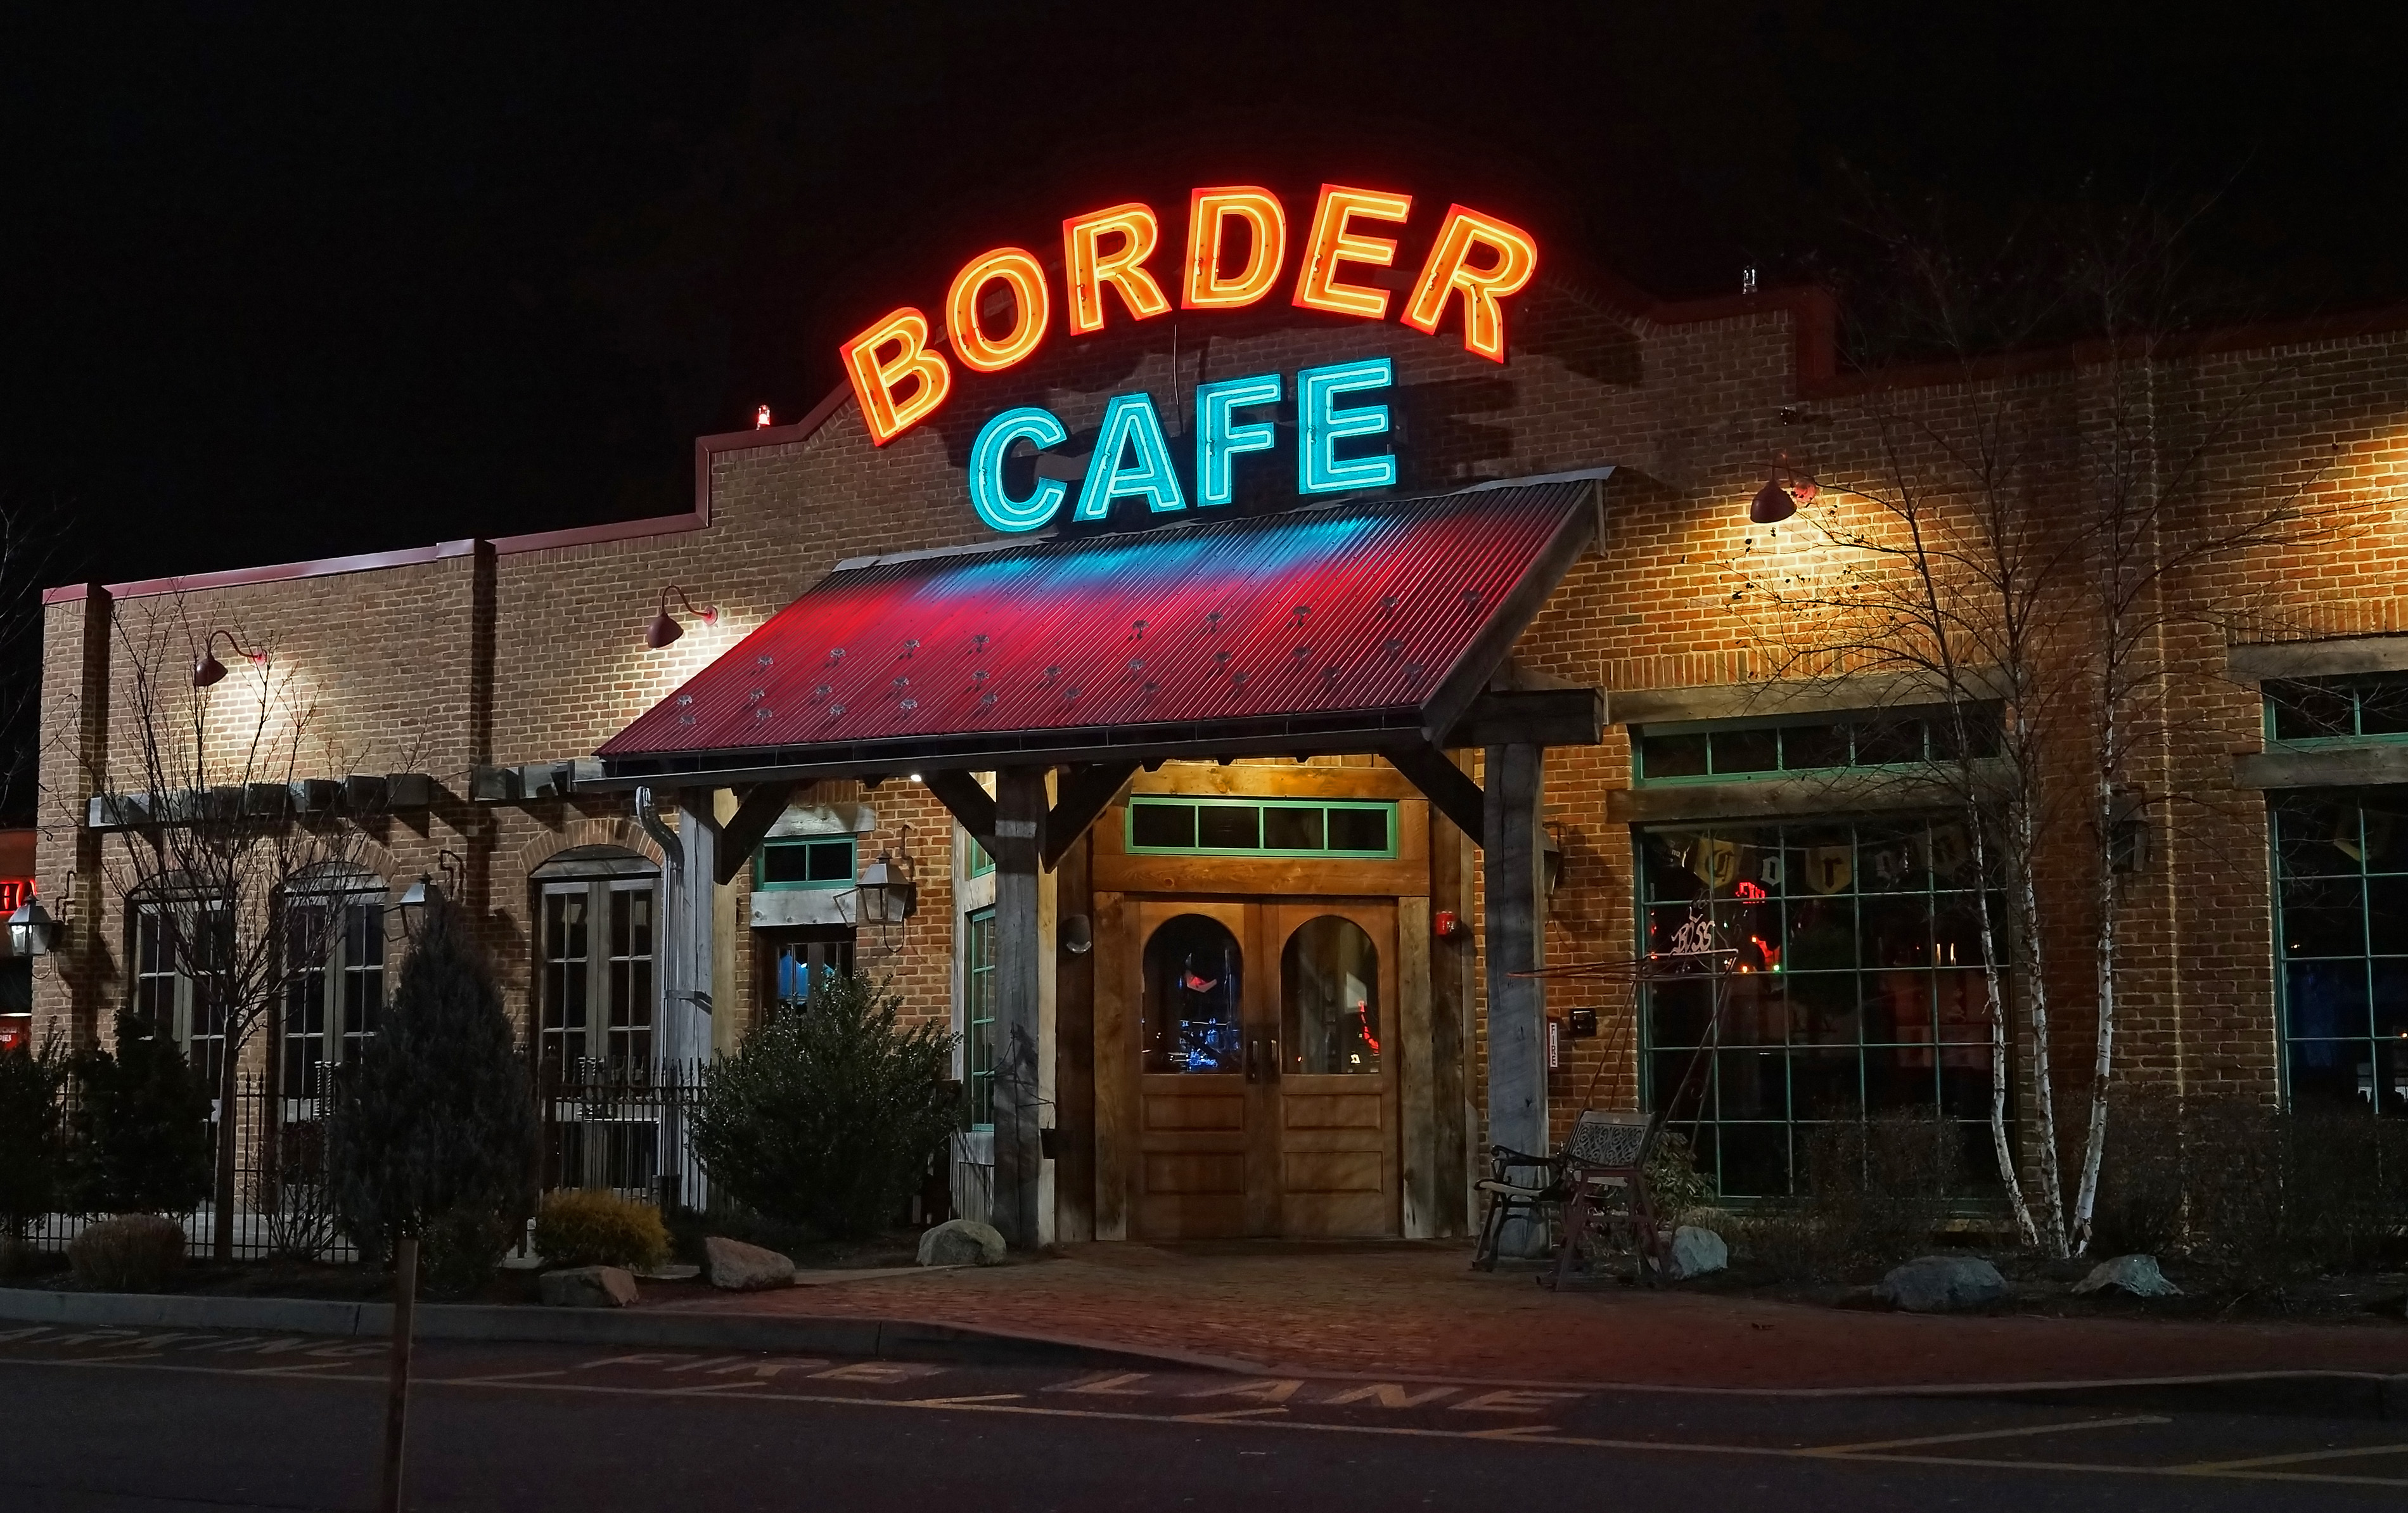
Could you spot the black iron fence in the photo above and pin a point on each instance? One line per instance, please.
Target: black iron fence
(604, 1125)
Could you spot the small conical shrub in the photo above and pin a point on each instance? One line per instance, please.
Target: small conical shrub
(141, 1125)
(434, 1126)
(33, 1139)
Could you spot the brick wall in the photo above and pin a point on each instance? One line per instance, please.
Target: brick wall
(381, 667)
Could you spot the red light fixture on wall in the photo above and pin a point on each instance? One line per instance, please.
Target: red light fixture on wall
(1776, 503)
(761, 419)
(209, 670)
(664, 628)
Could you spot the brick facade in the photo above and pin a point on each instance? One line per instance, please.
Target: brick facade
(513, 652)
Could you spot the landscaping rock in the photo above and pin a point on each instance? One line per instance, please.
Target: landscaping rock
(1941, 1284)
(587, 1286)
(2136, 1274)
(960, 1242)
(738, 1267)
(1697, 1251)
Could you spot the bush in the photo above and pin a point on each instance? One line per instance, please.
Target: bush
(828, 1115)
(32, 1144)
(141, 1125)
(1672, 1176)
(434, 1129)
(130, 1253)
(2139, 1204)
(600, 1228)
(1876, 1189)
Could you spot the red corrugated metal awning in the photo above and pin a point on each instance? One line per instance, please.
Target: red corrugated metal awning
(1342, 629)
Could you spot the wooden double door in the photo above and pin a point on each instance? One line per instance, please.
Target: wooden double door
(1268, 1066)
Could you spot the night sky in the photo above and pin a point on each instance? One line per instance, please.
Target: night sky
(282, 283)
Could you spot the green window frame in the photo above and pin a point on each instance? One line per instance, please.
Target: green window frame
(977, 863)
(2304, 712)
(1177, 825)
(1723, 751)
(978, 1015)
(1855, 989)
(811, 861)
(2341, 948)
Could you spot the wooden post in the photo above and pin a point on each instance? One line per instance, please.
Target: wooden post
(1517, 1006)
(1019, 804)
(396, 1399)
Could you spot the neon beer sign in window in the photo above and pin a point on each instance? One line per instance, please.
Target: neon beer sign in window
(1236, 250)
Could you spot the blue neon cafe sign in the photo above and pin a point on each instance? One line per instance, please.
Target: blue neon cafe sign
(1133, 458)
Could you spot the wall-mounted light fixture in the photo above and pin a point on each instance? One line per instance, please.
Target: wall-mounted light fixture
(209, 670)
(761, 418)
(664, 628)
(31, 929)
(1776, 503)
(423, 898)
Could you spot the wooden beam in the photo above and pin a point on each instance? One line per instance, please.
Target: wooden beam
(755, 811)
(1085, 793)
(1445, 785)
(960, 794)
(1532, 717)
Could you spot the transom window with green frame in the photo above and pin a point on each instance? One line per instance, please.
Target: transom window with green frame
(1166, 824)
(2337, 708)
(1856, 988)
(1705, 750)
(2341, 939)
(812, 862)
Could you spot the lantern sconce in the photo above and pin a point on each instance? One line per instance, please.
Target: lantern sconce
(31, 929)
(761, 419)
(209, 670)
(419, 901)
(664, 628)
(886, 893)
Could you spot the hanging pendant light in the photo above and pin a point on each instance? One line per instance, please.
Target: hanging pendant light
(1773, 503)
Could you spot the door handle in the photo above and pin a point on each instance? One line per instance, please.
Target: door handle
(1253, 1058)
(1275, 1059)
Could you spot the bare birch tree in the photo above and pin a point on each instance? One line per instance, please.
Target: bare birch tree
(215, 841)
(2024, 543)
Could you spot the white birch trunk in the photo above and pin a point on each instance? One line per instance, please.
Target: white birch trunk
(2052, 1181)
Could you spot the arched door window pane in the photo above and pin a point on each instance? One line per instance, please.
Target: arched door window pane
(1193, 970)
(1329, 999)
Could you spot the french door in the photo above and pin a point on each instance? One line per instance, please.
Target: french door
(1266, 1081)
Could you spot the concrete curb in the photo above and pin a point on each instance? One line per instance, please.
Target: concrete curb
(882, 1338)
(2332, 1394)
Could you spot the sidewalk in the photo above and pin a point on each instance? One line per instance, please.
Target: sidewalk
(1416, 1310)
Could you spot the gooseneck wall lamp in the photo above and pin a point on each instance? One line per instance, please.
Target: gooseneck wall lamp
(1776, 501)
(664, 628)
(209, 670)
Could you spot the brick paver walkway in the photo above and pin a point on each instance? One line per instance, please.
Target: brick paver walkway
(1417, 1310)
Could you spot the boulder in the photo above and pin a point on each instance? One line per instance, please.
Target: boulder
(587, 1286)
(738, 1267)
(2136, 1274)
(960, 1242)
(1943, 1283)
(1697, 1251)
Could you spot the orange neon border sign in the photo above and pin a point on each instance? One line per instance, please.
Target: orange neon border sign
(901, 377)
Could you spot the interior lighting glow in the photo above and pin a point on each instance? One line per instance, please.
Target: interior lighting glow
(1131, 426)
(875, 379)
(1088, 268)
(1511, 258)
(1018, 271)
(1333, 241)
(1321, 425)
(995, 438)
(1219, 438)
(1209, 213)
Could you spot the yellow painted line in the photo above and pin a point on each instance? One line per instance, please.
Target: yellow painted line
(1244, 1419)
(2067, 1427)
(2296, 1459)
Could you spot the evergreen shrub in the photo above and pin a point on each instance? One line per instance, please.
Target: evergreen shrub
(33, 1142)
(828, 1115)
(141, 1127)
(434, 1129)
(130, 1253)
(599, 1229)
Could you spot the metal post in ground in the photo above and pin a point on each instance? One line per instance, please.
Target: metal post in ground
(396, 1401)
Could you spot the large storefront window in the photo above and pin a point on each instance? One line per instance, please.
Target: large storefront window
(180, 947)
(1857, 988)
(2340, 935)
(978, 1015)
(333, 991)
